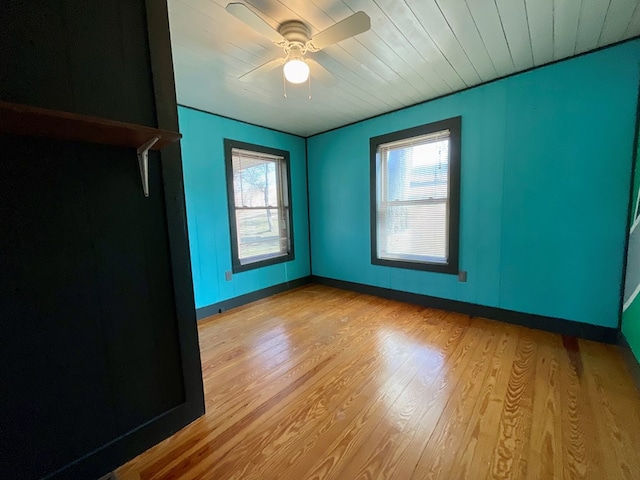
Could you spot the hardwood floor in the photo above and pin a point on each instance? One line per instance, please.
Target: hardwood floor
(320, 383)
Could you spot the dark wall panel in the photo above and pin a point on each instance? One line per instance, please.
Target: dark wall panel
(53, 363)
(84, 57)
(89, 337)
(92, 342)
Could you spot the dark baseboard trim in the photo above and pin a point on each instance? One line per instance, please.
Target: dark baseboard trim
(633, 364)
(549, 324)
(225, 305)
(109, 456)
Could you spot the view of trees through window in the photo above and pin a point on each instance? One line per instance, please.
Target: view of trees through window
(259, 212)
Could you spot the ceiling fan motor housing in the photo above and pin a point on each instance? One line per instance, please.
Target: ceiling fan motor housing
(295, 32)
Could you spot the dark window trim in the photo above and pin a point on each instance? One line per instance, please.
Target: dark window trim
(236, 266)
(454, 126)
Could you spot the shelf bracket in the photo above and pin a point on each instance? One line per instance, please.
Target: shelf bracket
(143, 161)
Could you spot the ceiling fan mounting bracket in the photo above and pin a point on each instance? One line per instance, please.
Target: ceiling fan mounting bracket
(295, 50)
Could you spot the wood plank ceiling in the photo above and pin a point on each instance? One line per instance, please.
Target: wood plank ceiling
(416, 50)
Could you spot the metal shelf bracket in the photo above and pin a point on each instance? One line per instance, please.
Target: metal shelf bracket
(143, 161)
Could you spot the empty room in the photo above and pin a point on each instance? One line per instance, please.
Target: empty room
(320, 239)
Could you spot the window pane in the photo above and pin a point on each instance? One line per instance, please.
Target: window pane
(259, 234)
(415, 172)
(255, 182)
(413, 232)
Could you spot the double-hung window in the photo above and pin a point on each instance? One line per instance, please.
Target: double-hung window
(258, 190)
(415, 197)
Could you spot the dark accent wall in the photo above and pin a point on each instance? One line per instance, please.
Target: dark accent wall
(98, 345)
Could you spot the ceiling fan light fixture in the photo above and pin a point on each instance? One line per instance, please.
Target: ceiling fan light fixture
(296, 71)
(294, 37)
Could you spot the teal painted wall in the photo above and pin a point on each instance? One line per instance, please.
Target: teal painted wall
(207, 208)
(546, 159)
(631, 315)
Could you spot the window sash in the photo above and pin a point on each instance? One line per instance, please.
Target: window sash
(384, 205)
(249, 248)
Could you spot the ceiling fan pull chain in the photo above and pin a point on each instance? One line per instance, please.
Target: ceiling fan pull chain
(284, 84)
(309, 87)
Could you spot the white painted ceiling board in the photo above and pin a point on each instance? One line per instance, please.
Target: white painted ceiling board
(515, 23)
(370, 49)
(541, 23)
(634, 23)
(416, 50)
(464, 28)
(377, 70)
(410, 54)
(617, 20)
(391, 47)
(352, 82)
(406, 22)
(592, 15)
(430, 17)
(565, 27)
(487, 21)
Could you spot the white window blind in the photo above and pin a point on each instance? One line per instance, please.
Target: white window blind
(413, 199)
(261, 206)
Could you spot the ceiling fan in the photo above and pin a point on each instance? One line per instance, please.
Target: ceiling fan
(293, 36)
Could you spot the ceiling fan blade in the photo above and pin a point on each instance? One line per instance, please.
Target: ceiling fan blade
(349, 27)
(318, 72)
(264, 68)
(253, 20)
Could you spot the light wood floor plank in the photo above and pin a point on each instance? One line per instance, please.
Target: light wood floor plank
(613, 411)
(545, 446)
(324, 384)
(484, 421)
(508, 460)
(449, 434)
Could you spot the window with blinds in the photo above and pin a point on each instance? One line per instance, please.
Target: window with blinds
(415, 197)
(259, 205)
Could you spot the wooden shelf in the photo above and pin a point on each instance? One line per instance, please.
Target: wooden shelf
(26, 120)
(40, 122)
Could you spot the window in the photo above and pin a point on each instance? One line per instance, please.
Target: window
(259, 205)
(415, 197)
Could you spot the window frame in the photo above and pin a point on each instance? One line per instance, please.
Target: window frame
(454, 125)
(236, 265)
